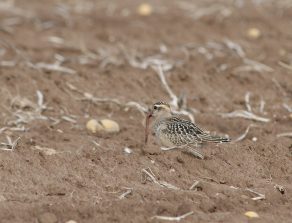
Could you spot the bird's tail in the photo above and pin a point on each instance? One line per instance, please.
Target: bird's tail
(214, 139)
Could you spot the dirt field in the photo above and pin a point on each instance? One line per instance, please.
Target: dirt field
(57, 58)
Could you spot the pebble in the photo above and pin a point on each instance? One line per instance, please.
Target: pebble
(127, 150)
(251, 214)
(253, 33)
(104, 125)
(144, 9)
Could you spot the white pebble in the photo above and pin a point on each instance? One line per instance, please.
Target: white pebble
(127, 150)
(254, 139)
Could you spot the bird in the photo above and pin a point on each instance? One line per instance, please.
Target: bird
(173, 132)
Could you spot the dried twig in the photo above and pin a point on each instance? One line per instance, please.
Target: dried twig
(167, 218)
(47, 151)
(251, 65)
(278, 85)
(285, 134)
(195, 185)
(262, 105)
(175, 102)
(244, 114)
(68, 119)
(259, 197)
(27, 110)
(244, 134)
(7, 63)
(289, 108)
(125, 194)
(247, 104)
(89, 97)
(10, 145)
(159, 71)
(235, 47)
(287, 66)
(52, 67)
(147, 174)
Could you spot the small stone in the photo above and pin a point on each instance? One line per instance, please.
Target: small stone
(251, 214)
(109, 126)
(144, 9)
(254, 139)
(47, 218)
(71, 221)
(253, 33)
(91, 125)
(127, 150)
(104, 125)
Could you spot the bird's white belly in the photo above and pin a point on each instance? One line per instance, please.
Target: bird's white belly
(163, 139)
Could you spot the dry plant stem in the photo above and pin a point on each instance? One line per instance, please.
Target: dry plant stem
(10, 145)
(244, 114)
(89, 97)
(174, 99)
(194, 185)
(252, 65)
(167, 218)
(259, 197)
(235, 47)
(278, 85)
(148, 175)
(23, 116)
(247, 104)
(69, 119)
(287, 66)
(288, 108)
(285, 134)
(160, 73)
(125, 194)
(262, 106)
(244, 134)
(52, 67)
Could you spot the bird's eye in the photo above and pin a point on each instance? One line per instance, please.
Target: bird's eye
(155, 107)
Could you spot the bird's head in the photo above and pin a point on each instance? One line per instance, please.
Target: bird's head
(160, 109)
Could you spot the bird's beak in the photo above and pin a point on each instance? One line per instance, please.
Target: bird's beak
(149, 115)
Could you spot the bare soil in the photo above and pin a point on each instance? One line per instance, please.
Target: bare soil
(213, 64)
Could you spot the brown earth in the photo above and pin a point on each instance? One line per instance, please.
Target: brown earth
(96, 39)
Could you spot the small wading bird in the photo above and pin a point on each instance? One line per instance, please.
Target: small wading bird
(173, 132)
